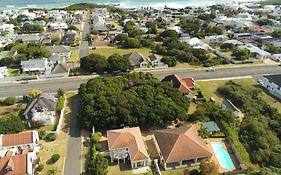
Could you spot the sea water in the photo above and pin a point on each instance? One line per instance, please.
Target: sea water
(12, 4)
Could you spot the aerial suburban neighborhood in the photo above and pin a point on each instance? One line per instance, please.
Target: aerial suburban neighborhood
(108, 89)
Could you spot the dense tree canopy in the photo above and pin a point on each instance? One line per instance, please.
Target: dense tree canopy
(93, 63)
(136, 99)
(260, 130)
(10, 124)
(241, 54)
(117, 62)
(169, 60)
(29, 28)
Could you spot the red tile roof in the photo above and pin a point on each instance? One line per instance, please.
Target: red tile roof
(130, 138)
(17, 163)
(177, 83)
(189, 82)
(181, 144)
(17, 139)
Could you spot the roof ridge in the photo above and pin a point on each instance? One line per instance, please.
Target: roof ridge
(120, 133)
(195, 141)
(173, 147)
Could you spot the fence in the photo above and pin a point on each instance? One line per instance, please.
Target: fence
(19, 78)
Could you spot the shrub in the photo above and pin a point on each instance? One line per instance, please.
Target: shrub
(10, 101)
(51, 137)
(41, 134)
(55, 158)
(60, 103)
(61, 92)
(40, 167)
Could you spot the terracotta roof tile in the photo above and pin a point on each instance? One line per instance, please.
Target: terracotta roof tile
(131, 138)
(181, 144)
(18, 163)
(177, 83)
(17, 139)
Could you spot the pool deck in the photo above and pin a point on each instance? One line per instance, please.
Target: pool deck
(233, 158)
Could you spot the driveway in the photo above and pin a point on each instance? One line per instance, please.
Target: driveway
(73, 161)
(84, 47)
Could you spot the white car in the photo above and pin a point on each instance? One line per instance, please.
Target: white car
(211, 69)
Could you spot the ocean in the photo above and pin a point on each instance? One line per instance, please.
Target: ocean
(12, 4)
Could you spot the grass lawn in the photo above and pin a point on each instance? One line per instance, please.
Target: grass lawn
(177, 171)
(107, 51)
(16, 108)
(74, 55)
(13, 72)
(59, 146)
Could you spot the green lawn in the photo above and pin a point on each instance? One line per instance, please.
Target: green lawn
(13, 72)
(74, 55)
(107, 51)
(122, 169)
(178, 171)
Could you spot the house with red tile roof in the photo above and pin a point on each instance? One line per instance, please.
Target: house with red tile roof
(29, 139)
(180, 147)
(19, 164)
(189, 82)
(177, 83)
(128, 144)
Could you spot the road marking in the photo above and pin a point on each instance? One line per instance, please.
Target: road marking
(63, 166)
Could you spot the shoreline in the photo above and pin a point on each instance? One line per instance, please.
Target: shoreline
(124, 5)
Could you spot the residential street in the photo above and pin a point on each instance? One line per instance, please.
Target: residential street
(84, 47)
(72, 83)
(74, 147)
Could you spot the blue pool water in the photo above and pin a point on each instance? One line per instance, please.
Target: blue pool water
(222, 155)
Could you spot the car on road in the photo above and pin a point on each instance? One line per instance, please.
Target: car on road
(211, 69)
(24, 82)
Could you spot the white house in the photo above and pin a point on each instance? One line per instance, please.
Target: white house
(6, 27)
(273, 84)
(3, 71)
(61, 50)
(33, 65)
(216, 39)
(128, 144)
(155, 61)
(99, 23)
(256, 52)
(276, 57)
(58, 25)
(41, 111)
(28, 139)
(197, 43)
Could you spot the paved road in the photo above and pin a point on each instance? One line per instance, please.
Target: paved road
(73, 161)
(74, 147)
(72, 83)
(84, 47)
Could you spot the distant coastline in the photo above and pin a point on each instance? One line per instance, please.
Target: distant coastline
(48, 4)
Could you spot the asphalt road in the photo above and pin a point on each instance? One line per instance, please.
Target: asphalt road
(72, 83)
(74, 147)
(84, 47)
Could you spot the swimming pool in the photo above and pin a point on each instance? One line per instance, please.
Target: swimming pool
(222, 155)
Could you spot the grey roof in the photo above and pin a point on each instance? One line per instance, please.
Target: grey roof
(60, 68)
(275, 79)
(135, 58)
(54, 58)
(154, 57)
(58, 49)
(28, 37)
(44, 100)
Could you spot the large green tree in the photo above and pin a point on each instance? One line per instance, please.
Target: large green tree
(94, 63)
(117, 62)
(136, 99)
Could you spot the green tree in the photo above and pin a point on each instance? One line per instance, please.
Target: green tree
(55, 158)
(11, 124)
(208, 168)
(117, 62)
(169, 34)
(262, 22)
(131, 43)
(169, 60)
(100, 165)
(94, 63)
(241, 54)
(276, 33)
(61, 92)
(227, 46)
(72, 27)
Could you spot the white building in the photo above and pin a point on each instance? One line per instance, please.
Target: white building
(58, 25)
(99, 23)
(216, 39)
(33, 65)
(276, 57)
(6, 27)
(3, 71)
(256, 52)
(273, 84)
